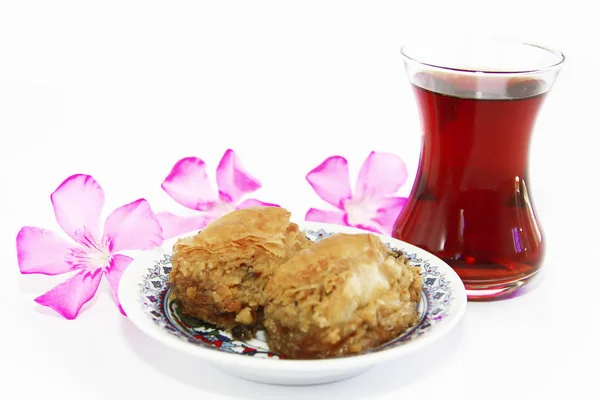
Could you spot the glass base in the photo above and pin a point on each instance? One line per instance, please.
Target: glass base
(478, 291)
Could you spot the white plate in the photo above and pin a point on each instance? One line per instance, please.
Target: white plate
(144, 286)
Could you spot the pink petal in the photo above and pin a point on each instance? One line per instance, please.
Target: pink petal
(174, 225)
(388, 210)
(233, 180)
(331, 181)
(254, 203)
(68, 297)
(381, 174)
(77, 205)
(133, 226)
(40, 251)
(367, 227)
(330, 217)
(117, 266)
(188, 184)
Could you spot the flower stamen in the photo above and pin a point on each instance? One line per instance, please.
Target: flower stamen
(92, 256)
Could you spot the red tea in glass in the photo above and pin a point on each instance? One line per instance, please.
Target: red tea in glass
(470, 203)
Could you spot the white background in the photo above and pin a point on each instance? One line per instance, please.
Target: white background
(122, 90)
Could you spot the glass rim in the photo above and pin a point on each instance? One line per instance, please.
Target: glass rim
(559, 54)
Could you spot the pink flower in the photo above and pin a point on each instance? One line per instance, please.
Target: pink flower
(77, 205)
(188, 184)
(371, 207)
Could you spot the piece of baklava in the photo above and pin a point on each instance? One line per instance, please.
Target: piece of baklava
(344, 295)
(219, 275)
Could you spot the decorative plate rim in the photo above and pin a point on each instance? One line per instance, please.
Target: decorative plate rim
(143, 261)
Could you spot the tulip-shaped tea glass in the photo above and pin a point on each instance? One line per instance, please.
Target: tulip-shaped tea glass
(470, 205)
